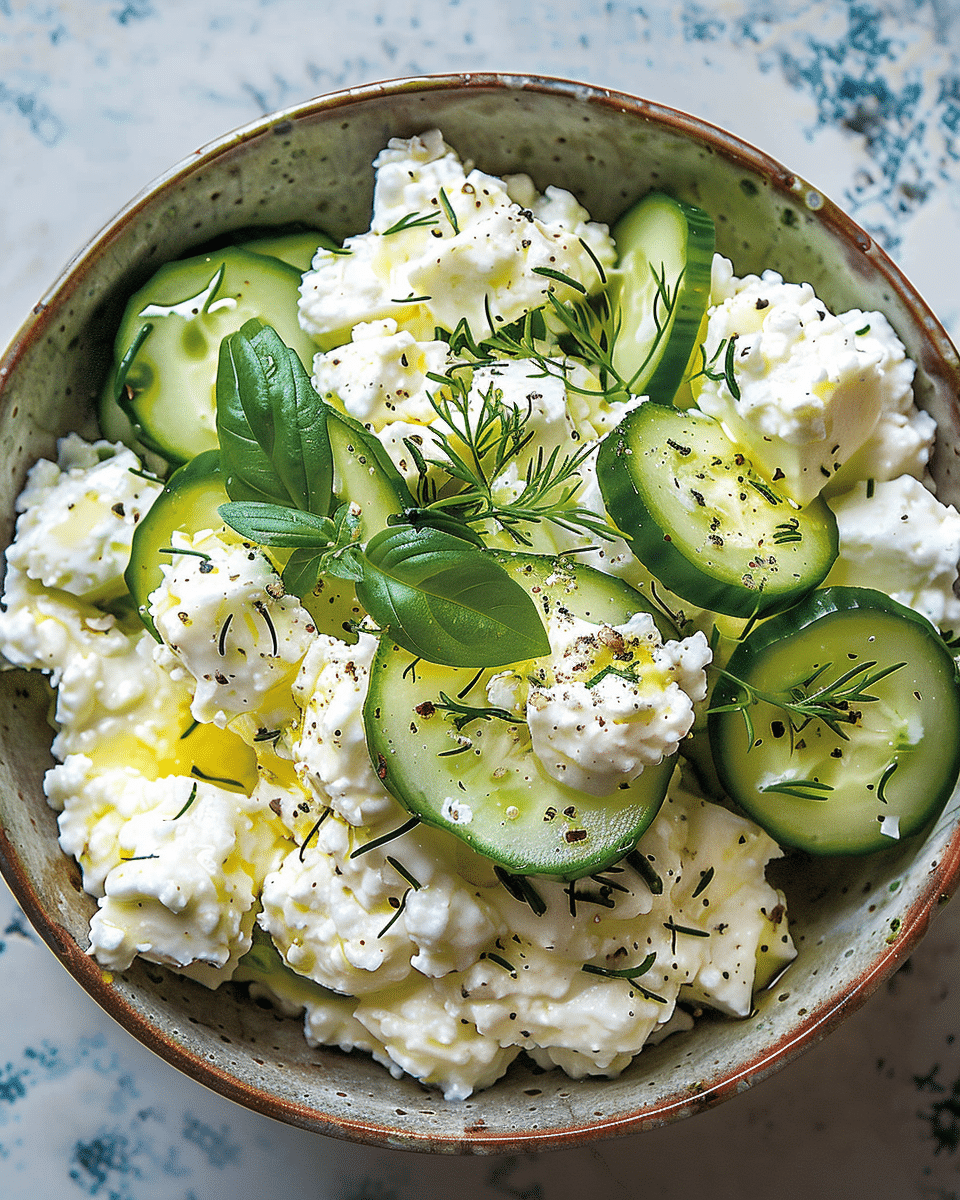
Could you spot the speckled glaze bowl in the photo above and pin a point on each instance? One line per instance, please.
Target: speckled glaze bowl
(854, 922)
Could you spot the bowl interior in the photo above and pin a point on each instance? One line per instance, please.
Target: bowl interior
(853, 921)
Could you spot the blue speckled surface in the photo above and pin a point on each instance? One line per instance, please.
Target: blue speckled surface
(99, 96)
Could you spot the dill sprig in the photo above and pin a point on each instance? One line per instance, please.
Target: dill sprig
(832, 703)
(479, 437)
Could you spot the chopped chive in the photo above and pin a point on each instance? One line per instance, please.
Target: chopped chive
(400, 907)
(386, 837)
(313, 832)
(448, 209)
(705, 877)
(126, 362)
(596, 262)
(190, 800)
(178, 550)
(262, 610)
(764, 491)
(402, 871)
(728, 375)
(195, 770)
(884, 780)
(501, 962)
(645, 870)
(222, 640)
(412, 220)
(521, 889)
(560, 277)
(802, 789)
(871, 488)
(189, 729)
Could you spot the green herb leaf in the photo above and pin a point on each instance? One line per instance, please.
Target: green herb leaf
(274, 445)
(275, 525)
(446, 600)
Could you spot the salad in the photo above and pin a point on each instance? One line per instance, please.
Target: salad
(449, 626)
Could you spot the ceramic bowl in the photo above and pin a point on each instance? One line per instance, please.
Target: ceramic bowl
(854, 922)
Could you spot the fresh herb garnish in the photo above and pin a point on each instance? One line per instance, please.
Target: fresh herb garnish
(802, 789)
(412, 220)
(444, 599)
(831, 703)
(274, 445)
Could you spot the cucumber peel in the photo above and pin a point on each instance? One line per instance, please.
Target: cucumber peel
(660, 289)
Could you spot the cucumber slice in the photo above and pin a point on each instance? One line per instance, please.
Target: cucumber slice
(296, 249)
(174, 325)
(364, 474)
(665, 253)
(188, 502)
(891, 762)
(703, 522)
(495, 795)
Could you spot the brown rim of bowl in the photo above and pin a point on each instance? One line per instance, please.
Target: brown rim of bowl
(942, 878)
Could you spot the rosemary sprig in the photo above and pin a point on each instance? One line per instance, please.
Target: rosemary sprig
(465, 713)
(412, 220)
(832, 703)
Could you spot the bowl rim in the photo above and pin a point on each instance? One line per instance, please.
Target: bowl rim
(941, 881)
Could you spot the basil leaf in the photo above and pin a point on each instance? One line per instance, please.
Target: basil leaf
(445, 600)
(274, 444)
(275, 525)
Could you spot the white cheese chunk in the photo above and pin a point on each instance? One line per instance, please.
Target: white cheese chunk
(222, 611)
(446, 244)
(895, 535)
(612, 701)
(381, 375)
(77, 518)
(808, 387)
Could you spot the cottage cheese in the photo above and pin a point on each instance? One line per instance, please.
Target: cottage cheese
(898, 535)
(810, 387)
(480, 267)
(216, 789)
(609, 701)
(222, 613)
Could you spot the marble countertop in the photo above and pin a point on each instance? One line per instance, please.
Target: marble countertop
(862, 98)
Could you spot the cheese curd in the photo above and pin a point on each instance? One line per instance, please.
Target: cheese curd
(222, 613)
(898, 535)
(216, 787)
(448, 244)
(78, 516)
(609, 701)
(809, 387)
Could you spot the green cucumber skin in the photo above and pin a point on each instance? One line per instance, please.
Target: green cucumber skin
(633, 464)
(189, 503)
(663, 374)
(172, 406)
(295, 249)
(405, 740)
(836, 622)
(363, 468)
